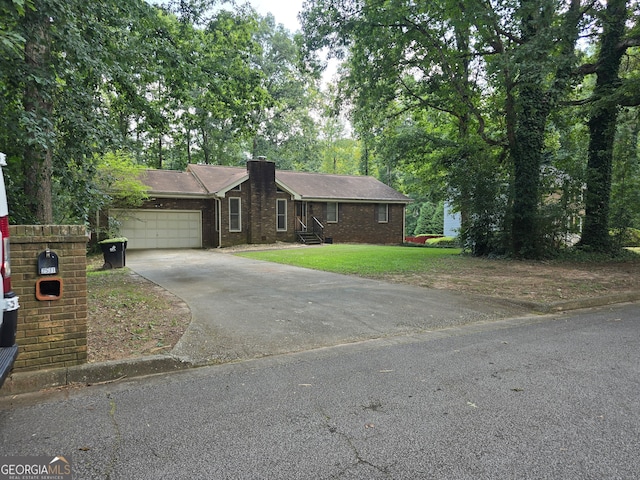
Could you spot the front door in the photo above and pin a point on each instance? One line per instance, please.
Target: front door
(301, 216)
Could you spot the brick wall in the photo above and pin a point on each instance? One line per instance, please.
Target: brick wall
(228, 238)
(358, 223)
(51, 333)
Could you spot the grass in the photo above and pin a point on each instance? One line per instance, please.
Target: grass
(369, 260)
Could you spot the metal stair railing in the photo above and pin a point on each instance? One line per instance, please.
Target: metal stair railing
(318, 228)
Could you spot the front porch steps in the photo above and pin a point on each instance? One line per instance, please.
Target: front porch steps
(309, 238)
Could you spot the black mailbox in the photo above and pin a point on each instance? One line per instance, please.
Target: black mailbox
(48, 263)
(48, 287)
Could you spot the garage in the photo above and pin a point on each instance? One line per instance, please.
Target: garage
(161, 228)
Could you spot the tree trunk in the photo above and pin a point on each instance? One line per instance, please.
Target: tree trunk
(160, 160)
(38, 106)
(533, 105)
(602, 130)
(527, 159)
(188, 139)
(532, 109)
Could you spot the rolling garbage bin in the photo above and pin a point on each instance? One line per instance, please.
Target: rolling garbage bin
(114, 252)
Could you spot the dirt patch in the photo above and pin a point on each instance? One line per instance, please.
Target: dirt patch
(129, 316)
(540, 282)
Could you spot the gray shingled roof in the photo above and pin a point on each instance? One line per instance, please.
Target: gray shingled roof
(320, 186)
(217, 178)
(205, 180)
(171, 182)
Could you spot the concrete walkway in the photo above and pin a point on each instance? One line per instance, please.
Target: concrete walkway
(243, 308)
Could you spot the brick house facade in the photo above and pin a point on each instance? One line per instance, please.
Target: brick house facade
(212, 206)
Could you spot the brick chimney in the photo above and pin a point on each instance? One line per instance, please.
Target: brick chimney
(262, 195)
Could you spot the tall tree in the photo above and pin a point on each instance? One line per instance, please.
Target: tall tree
(52, 132)
(285, 131)
(111, 75)
(535, 97)
(38, 103)
(610, 92)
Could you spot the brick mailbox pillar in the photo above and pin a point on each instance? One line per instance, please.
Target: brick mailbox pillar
(52, 320)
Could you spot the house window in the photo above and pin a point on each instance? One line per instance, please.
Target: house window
(332, 212)
(383, 213)
(235, 224)
(281, 215)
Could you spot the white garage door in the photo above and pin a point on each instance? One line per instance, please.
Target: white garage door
(161, 228)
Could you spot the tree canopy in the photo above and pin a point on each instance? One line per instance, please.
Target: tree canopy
(187, 82)
(492, 78)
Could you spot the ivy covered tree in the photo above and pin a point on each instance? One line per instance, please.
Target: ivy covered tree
(620, 32)
(54, 114)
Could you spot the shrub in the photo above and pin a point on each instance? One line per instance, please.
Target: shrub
(630, 237)
(444, 242)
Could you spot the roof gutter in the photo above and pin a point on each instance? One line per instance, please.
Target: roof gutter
(152, 194)
(355, 200)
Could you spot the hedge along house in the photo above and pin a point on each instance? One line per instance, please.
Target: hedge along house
(210, 206)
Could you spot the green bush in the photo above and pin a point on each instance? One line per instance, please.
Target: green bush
(444, 242)
(630, 237)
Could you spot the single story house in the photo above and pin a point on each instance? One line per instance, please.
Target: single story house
(210, 206)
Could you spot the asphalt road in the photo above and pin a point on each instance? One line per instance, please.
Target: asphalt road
(554, 397)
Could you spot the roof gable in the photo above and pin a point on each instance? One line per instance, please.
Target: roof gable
(171, 182)
(218, 179)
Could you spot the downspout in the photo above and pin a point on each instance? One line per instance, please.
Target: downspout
(219, 222)
(404, 222)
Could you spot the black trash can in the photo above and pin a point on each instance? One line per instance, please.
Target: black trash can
(114, 252)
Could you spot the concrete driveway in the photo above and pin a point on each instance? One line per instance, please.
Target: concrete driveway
(243, 308)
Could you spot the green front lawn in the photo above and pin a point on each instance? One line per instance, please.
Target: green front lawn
(359, 259)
